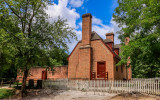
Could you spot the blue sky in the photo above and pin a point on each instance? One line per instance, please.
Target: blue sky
(72, 10)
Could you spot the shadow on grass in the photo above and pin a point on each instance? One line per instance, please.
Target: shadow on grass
(5, 93)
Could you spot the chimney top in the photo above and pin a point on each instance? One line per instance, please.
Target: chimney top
(108, 34)
(87, 15)
(126, 41)
(86, 28)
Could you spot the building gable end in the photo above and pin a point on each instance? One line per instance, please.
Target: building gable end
(72, 51)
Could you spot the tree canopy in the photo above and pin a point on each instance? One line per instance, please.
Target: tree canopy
(140, 20)
(27, 36)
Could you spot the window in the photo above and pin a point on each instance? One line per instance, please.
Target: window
(117, 68)
(121, 68)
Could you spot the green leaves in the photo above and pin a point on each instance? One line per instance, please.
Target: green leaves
(140, 20)
(27, 37)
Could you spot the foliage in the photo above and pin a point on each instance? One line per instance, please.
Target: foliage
(140, 20)
(4, 93)
(60, 55)
(28, 36)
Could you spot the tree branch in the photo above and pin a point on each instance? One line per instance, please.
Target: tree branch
(13, 10)
(30, 22)
(26, 10)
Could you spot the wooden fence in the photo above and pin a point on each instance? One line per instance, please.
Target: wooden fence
(7, 82)
(142, 86)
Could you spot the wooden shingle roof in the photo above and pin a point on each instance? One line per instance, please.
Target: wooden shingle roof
(95, 36)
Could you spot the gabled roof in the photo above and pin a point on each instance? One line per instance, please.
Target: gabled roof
(107, 40)
(118, 46)
(95, 36)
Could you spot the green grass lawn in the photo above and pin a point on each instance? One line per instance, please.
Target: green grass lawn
(18, 83)
(4, 93)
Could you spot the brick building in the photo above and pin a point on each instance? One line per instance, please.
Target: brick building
(40, 73)
(95, 58)
(92, 58)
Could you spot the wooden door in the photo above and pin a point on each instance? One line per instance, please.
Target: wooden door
(44, 75)
(101, 69)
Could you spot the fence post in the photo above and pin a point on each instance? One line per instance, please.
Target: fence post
(129, 85)
(17, 83)
(9, 83)
(158, 88)
(94, 87)
(109, 86)
(1, 83)
(154, 87)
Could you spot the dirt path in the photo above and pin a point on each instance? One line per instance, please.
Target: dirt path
(50, 94)
(68, 95)
(135, 96)
(79, 95)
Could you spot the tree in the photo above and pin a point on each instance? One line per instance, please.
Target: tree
(28, 30)
(140, 20)
(7, 52)
(60, 55)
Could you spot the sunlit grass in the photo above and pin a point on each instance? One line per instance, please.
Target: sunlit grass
(4, 93)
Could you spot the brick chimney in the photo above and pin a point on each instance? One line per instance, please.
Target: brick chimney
(86, 28)
(83, 70)
(126, 41)
(129, 69)
(110, 36)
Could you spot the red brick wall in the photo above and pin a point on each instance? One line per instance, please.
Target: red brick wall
(85, 56)
(83, 71)
(61, 72)
(116, 50)
(86, 28)
(110, 45)
(111, 36)
(101, 53)
(119, 75)
(73, 63)
(80, 61)
(129, 70)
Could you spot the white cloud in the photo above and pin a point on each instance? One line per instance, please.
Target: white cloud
(76, 3)
(96, 21)
(63, 11)
(102, 29)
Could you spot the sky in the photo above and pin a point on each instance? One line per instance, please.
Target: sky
(72, 10)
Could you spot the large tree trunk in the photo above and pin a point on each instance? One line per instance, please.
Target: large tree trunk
(23, 89)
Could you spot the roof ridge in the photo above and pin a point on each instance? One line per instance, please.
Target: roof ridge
(95, 36)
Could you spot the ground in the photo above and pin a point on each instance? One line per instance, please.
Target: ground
(135, 96)
(48, 94)
(4, 93)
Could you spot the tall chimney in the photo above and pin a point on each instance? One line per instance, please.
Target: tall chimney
(129, 69)
(127, 39)
(110, 36)
(86, 28)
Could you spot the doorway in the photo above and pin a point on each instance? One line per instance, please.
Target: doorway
(44, 75)
(101, 69)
